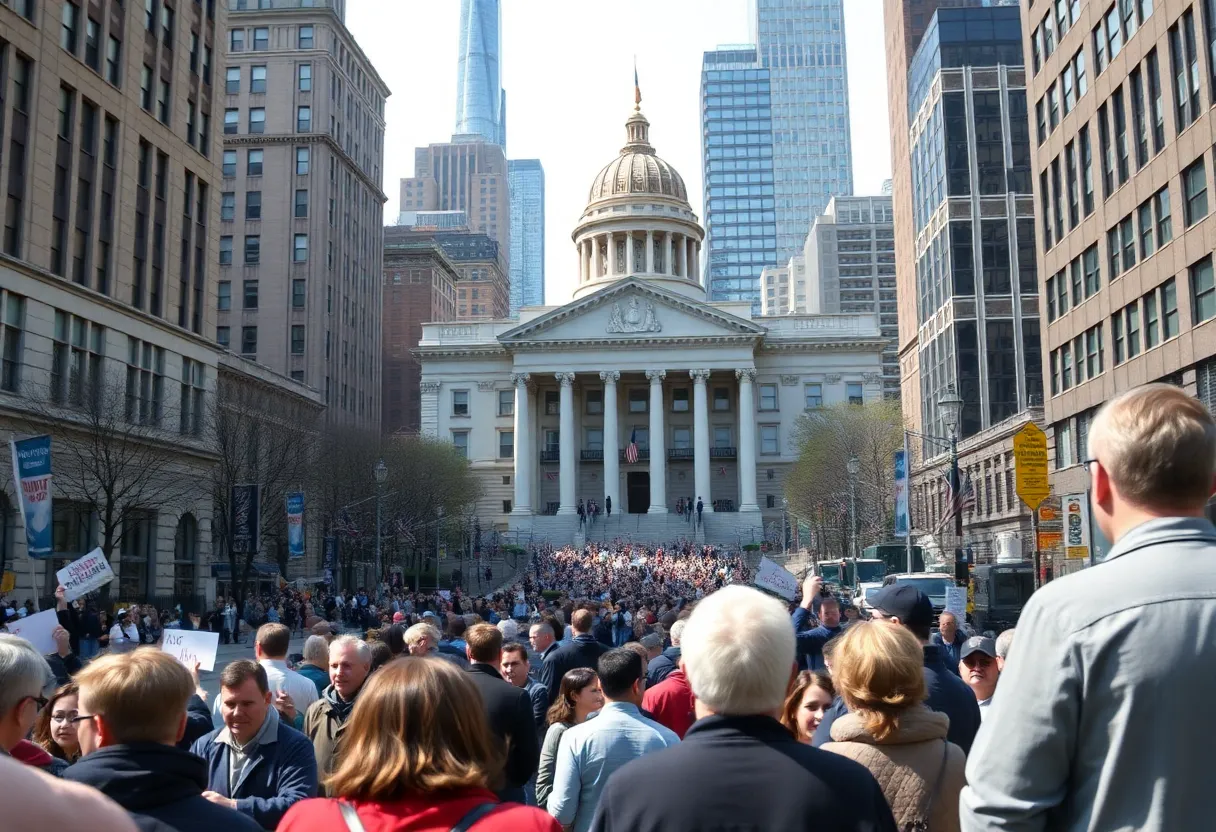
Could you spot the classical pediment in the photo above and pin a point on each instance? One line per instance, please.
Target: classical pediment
(632, 312)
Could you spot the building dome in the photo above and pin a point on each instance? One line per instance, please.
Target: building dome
(638, 170)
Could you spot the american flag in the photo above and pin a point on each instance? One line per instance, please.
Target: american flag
(965, 500)
(631, 452)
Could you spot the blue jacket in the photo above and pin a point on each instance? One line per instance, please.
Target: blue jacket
(951, 652)
(948, 694)
(280, 774)
(662, 665)
(809, 643)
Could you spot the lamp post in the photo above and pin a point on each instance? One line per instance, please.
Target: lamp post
(785, 525)
(854, 468)
(951, 407)
(381, 474)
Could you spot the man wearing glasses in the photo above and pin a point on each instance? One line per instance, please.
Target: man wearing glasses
(25, 679)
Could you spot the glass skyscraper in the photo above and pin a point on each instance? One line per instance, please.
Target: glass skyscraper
(480, 100)
(526, 182)
(777, 113)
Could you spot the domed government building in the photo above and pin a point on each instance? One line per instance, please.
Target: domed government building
(638, 391)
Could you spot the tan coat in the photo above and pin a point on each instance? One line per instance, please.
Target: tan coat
(906, 764)
(322, 727)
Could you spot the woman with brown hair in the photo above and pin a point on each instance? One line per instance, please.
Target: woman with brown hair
(580, 697)
(811, 695)
(417, 754)
(55, 731)
(878, 669)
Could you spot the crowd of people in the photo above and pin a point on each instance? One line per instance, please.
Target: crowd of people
(716, 707)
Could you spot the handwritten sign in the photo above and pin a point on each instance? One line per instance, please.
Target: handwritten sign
(80, 577)
(776, 578)
(956, 601)
(37, 629)
(445, 594)
(190, 646)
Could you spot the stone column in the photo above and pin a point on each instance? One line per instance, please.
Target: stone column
(524, 452)
(747, 441)
(658, 453)
(649, 252)
(691, 259)
(567, 445)
(584, 259)
(629, 268)
(610, 269)
(668, 264)
(700, 437)
(595, 257)
(612, 459)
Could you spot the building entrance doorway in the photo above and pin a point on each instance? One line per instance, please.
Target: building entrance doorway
(637, 484)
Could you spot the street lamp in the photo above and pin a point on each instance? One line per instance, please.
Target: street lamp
(381, 474)
(854, 468)
(951, 407)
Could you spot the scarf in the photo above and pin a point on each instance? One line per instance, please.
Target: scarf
(337, 704)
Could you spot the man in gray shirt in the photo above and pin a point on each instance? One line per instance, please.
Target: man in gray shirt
(1103, 718)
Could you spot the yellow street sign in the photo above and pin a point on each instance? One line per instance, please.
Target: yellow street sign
(1030, 465)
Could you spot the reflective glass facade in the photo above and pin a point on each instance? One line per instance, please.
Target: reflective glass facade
(480, 101)
(976, 279)
(737, 157)
(527, 185)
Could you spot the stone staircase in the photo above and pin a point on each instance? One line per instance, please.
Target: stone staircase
(728, 529)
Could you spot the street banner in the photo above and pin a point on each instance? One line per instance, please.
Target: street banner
(295, 524)
(190, 646)
(245, 521)
(80, 577)
(32, 476)
(901, 494)
(776, 578)
(1076, 526)
(37, 629)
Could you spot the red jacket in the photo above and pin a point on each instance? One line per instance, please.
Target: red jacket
(671, 702)
(418, 813)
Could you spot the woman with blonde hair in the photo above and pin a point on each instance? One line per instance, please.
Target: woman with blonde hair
(417, 754)
(55, 730)
(810, 696)
(878, 669)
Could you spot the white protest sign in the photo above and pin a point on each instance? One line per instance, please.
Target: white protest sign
(519, 595)
(80, 577)
(37, 629)
(445, 594)
(776, 578)
(956, 601)
(190, 646)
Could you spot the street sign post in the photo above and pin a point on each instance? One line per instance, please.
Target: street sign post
(1030, 479)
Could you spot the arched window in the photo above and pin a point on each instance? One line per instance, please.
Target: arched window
(185, 553)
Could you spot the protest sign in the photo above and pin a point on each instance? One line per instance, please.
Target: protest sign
(956, 601)
(519, 595)
(37, 629)
(776, 578)
(190, 646)
(32, 477)
(80, 577)
(445, 594)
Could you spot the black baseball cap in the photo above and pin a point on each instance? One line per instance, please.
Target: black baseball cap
(905, 602)
(979, 644)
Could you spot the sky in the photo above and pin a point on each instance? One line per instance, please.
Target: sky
(568, 73)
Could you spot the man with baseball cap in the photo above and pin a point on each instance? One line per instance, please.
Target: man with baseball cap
(978, 667)
(906, 606)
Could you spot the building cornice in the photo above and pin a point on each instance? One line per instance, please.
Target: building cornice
(258, 139)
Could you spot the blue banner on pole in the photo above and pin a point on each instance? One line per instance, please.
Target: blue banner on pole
(32, 475)
(295, 524)
(901, 494)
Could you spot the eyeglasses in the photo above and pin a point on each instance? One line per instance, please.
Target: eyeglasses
(1087, 462)
(64, 716)
(82, 718)
(40, 701)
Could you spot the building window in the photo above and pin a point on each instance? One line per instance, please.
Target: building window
(1195, 191)
(236, 40)
(301, 209)
(813, 394)
(166, 25)
(1093, 352)
(1203, 290)
(232, 121)
(1161, 208)
(768, 397)
(460, 441)
(224, 295)
(460, 402)
(1116, 337)
(69, 31)
(1131, 320)
(228, 206)
(638, 402)
(162, 102)
(506, 444)
(249, 340)
(193, 392)
(76, 359)
(297, 339)
(223, 336)
(1184, 61)
(303, 119)
(145, 88)
(232, 80)
(769, 445)
(681, 438)
(257, 120)
(253, 205)
(226, 250)
(253, 163)
(92, 44)
(722, 436)
(12, 320)
(229, 163)
(679, 400)
(253, 249)
(145, 382)
(299, 292)
(721, 399)
(1156, 101)
(595, 439)
(854, 391)
(300, 249)
(305, 40)
(302, 155)
(1169, 309)
(594, 402)
(506, 402)
(261, 39)
(304, 77)
(257, 79)
(250, 300)
(113, 65)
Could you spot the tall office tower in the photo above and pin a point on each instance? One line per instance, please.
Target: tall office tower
(110, 174)
(526, 180)
(480, 100)
(419, 287)
(302, 206)
(481, 283)
(849, 263)
(467, 175)
(1123, 173)
(737, 167)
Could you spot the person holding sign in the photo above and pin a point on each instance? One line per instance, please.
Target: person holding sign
(131, 713)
